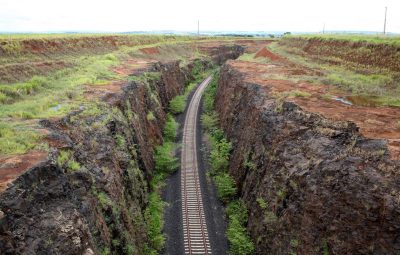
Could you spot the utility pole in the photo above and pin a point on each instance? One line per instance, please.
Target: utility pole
(323, 29)
(384, 25)
(198, 27)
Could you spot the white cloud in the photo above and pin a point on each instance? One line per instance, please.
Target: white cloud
(122, 15)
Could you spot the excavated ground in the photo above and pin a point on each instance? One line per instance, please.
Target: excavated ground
(312, 178)
(374, 122)
(13, 166)
(90, 193)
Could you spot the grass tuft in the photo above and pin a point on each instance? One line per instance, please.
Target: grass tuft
(170, 129)
(16, 139)
(177, 104)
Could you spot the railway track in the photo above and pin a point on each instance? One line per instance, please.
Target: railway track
(195, 233)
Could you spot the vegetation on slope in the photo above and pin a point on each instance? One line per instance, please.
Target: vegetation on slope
(239, 240)
(166, 163)
(376, 39)
(178, 104)
(346, 67)
(62, 91)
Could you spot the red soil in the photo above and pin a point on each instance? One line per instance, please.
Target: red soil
(374, 122)
(18, 72)
(13, 166)
(251, 46)
(150, 51)
(133, 66)
(265, 53)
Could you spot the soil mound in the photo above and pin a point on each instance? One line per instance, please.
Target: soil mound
(264, 53)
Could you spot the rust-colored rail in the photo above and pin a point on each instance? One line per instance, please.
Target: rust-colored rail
(195, 233)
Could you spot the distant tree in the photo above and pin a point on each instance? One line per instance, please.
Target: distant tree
(271, 36)
(287, 33)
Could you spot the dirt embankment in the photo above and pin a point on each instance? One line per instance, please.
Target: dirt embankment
(90, 195)
(312, 185)
(376, 55)
(21, 59)
(54, 208)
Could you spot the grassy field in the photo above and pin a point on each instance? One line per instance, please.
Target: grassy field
(376, 39)
(373, 84)
(22, 104)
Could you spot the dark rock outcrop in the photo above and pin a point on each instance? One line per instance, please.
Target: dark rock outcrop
(98, 204)
(312, 185)
(90, 196)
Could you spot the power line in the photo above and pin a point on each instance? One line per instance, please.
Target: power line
(384, 25)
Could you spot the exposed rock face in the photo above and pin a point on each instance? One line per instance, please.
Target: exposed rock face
(222, 53)
(91, 198)
(53, 209)
(312, 185)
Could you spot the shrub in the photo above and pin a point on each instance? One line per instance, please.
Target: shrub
(120, 140)
(73, 165)
(262, 203)
(170, 129)
(103, 199)
(219, 156)
(65, 159)
(155, 221)
(209, 121)
(150, 116)
(239, 240)
(226, 187)
(165, 162)
(129, 249)
(209, 95)
(237, 209)
(177, 104)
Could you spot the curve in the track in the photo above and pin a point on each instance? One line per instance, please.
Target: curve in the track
(195, 233)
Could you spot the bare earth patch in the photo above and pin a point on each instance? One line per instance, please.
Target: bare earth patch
(374, 122)
(13, 166)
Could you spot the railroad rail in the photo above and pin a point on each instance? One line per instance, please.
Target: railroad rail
(195, 232)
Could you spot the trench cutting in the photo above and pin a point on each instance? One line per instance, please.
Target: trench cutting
(195, 234)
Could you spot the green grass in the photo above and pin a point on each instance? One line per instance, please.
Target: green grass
(165, 161)
(219, 155)
(34, 98)
(150, 116)
(226, 187)
(65, 159)
(154, 217)
(238, 237)
(293, 93)
(17, 139)
(177, 104)
(61, 92)
(352, 80)
(209, 120)
(262, 203)
(247, 57)
(239, 240)
(250, 57)
(376, 39)
(170, 129)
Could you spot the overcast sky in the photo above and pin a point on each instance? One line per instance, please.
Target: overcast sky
(215, 15)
